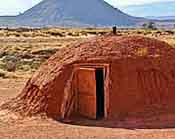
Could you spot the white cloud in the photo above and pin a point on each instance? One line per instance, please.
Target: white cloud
(34, 2)
(13, 7)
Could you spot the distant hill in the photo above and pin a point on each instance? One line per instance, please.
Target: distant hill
(156, 9)
(7, 20)
(71, 13)
(161, 17)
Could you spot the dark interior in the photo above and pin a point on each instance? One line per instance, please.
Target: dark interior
(100, 93)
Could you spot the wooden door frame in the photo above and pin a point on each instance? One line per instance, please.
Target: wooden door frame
(105, 68)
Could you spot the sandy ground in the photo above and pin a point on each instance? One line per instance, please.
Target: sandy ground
(35, 128)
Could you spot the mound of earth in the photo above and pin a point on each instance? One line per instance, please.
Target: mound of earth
(47, 90)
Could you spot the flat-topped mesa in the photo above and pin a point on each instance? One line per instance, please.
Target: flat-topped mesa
(136, 76)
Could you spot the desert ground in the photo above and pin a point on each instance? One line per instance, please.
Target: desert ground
(22, 51)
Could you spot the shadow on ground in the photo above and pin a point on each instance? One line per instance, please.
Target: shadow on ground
(131, 124)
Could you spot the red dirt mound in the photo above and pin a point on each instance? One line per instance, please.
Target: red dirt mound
(45, 91)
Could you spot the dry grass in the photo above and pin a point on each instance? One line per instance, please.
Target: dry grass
(31, 47)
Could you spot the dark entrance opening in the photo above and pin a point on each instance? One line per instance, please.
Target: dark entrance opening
(99, 93)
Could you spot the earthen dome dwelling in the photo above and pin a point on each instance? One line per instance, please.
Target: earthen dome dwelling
(106, 77)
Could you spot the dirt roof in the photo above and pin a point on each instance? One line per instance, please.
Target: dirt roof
(105, 48)
(54, 73)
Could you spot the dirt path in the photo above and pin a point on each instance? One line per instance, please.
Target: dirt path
(48, 129)
(35, 128)
(9, 88)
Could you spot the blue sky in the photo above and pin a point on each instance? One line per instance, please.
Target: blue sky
(122, 3)
(13, 7)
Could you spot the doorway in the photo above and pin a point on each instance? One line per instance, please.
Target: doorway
(99, 93)
(91, 92)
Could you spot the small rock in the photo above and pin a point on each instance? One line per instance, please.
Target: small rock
(11, 66)
(2, 53)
